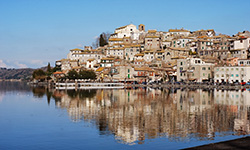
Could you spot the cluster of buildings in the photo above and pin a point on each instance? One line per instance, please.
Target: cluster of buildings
(134, 54)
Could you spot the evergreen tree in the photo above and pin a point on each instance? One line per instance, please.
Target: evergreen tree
(49, 70)
(102, 41)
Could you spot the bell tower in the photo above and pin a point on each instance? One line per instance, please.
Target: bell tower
(141, 27)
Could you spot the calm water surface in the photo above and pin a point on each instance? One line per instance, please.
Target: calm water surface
(38, 118)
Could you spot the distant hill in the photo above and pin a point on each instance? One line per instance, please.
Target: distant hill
(23, 74)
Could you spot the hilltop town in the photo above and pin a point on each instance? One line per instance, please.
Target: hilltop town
(135, 55)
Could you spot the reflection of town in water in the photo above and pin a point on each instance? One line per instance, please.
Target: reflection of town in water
(139, 114)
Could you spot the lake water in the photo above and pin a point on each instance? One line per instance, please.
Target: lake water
(143, 118)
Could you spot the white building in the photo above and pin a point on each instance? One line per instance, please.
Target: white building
(243, 62)
(74, 54)
(127, 31)
(232, 74)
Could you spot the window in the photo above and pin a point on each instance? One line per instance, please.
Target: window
(203, 74)
(128, 70)
(181, 68)
(237, 75)
(203, 68)
(232, 75)
(208, 68)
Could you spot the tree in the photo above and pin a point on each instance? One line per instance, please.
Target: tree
(39, 74)
(86, 74)
(72, 74)
(102, 40)
(49, 70)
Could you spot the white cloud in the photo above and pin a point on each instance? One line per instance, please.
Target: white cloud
(80, 45)
(20, 65)
(37, 62)
(2, 64)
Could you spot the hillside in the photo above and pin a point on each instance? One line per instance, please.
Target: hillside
(23, 74)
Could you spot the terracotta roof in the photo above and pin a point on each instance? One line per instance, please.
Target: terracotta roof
(178, 49)
(153, 36)
(152, 31)
(178, 30)
(76, 49)
(118, 48)
(91, 59)
(58, 72)
(115, 39)
(100, 69)
(139, 54)
(108, 58)
(143, 69)
(131, 45)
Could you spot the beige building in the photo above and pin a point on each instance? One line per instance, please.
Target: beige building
(131, 50)
(152, 40)
(194, 69)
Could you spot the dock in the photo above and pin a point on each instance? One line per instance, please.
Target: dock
(88, 85)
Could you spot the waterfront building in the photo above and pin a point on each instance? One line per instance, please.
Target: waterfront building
(194, 69)
(243, 62)
(232, 74)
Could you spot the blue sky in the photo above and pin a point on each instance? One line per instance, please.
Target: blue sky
(35, 32)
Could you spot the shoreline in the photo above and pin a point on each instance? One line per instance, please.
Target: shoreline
(240, 143)
(164, 85)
